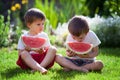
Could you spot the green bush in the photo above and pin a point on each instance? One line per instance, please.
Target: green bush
(61, 10)
(109, 32)
(49, 10)
(4, 31)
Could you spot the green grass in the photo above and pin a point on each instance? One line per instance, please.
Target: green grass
(111, 71)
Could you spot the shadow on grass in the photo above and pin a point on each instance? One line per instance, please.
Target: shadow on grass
(9, 73)
(70, 75)
(62, 75)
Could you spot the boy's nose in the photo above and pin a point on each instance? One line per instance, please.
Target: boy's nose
(42, 26)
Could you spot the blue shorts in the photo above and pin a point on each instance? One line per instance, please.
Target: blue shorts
(79, 62)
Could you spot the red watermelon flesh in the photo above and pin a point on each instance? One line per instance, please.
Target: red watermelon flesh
(79, 47)
(33, 42)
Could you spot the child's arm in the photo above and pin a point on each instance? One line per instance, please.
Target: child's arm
(19, 51)
(92, 54)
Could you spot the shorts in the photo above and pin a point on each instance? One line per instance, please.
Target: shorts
(79, 62)
(37, 57)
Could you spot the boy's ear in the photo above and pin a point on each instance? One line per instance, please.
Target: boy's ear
(28, 25)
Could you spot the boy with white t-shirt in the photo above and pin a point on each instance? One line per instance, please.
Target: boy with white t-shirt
(40, 59)
(79, 32)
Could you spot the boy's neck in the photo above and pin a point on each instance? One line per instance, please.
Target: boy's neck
(32, 33)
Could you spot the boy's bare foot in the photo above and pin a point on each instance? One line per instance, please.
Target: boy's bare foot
(84, 70)
(43, 71)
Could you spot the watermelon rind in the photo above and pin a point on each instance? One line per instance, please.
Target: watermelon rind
(33, 48)
(85, 52)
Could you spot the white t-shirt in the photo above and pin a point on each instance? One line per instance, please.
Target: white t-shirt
(21, 45)
(91, 38)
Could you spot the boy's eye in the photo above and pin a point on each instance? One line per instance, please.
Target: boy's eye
(38, 24)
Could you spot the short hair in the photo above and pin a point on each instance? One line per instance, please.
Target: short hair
(78, 25)
(33, 14)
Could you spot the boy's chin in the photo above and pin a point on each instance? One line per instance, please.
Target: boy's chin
(79, 40)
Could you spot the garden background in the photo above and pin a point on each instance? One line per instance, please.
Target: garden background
(103, 17)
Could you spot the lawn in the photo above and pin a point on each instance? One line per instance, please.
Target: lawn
(111, 71)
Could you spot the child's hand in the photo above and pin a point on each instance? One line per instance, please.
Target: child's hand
(87, 55)
(70, 53)
(27, 48)
(83, 55)
(41, 50)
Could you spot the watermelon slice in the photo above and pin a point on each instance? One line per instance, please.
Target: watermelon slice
(33, 42)
(79, 47)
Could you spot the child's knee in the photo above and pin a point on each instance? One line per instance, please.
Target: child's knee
(24, 54)
(53, 49)
(58, 58)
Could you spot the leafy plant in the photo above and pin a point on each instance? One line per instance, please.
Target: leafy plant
(103, 7)
(49, 10)
(69, 8)
(109, 32)
(4, 30)
(61, 11)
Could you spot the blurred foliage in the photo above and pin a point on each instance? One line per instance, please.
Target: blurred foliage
(60, 10)
(11, 16)
(4, 30)
(108, 31)
(4, 6)
(69, 8)
(13, 5)
(104, 8)
(49, 9)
